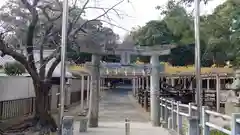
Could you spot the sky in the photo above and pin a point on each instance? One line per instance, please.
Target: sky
(133, 12)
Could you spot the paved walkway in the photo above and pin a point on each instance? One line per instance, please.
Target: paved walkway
(117, 128)
(115, 106)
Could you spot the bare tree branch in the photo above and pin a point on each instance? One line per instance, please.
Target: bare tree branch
(82, 10)
(53, 55)
(104, 10)
(115, 25)
(18, 57)
(44, 8)
(42, 62)
(97, 18)
(30, 34)
(73, 23)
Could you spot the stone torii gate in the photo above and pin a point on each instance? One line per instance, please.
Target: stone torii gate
(153, 51)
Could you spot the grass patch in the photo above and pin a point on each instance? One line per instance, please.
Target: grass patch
(216, 132)
(212, 132)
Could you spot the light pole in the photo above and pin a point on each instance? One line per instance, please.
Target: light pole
(63, 58)
(197, 61)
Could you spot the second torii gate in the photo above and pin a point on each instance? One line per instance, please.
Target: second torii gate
(153, 51)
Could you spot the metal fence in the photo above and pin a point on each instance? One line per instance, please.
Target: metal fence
(15, 108)
(172, 114)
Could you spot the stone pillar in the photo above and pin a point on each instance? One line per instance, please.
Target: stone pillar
(94, 94)
(67, 125)
(128, 58)
(100, 84)
(143, 82)
(208, 84)
(147, 82)
(154, 87)
(82, 92)
(218, 93)
(125, 58)
(172, 81)
(103, 83)
(139, 83)
(134, 86)
(191, 85)
(68, 94)
(88, 89)
(184, 82)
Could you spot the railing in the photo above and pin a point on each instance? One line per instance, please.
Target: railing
(143, 97)
(15, 108)
(172, 114)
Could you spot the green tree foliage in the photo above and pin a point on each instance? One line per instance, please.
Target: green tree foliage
(179, 22)
(176, 27)
(219, 33)
(14, 69)
(153, 33)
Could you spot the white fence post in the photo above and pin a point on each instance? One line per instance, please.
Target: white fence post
(205, 118)
(162, 111)
(160, 102)
(235, 125)
(82, 92)
(166, 113)
(192, 122)
(179, 120)
(169, 126)
(173, 115)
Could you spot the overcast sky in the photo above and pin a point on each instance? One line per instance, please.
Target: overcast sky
(136, 12)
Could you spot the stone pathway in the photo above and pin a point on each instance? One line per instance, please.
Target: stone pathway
(118, 128)
(115, 106)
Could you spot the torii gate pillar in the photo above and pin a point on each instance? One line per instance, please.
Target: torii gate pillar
(94, 93)
(154, 88)
(154, 51)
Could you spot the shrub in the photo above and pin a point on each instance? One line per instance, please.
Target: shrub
(216, 132)
(14, 69)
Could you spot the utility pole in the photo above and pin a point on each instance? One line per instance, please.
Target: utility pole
(197, 61)
(63, 58)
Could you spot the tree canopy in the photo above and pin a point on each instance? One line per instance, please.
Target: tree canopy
(219, 33)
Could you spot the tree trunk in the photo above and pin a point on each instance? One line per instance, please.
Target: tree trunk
(43, 117)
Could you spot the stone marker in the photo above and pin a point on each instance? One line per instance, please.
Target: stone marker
(83, 124)
(67, 125)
